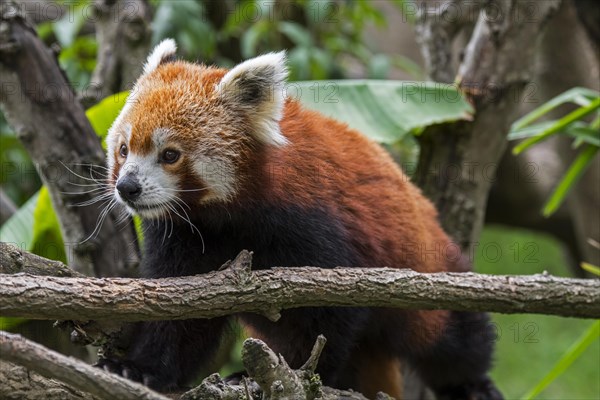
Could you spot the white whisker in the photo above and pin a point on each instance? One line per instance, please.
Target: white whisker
(85, 191)
(111, 204)
(92, 201)
(187, 219)
(80, 176)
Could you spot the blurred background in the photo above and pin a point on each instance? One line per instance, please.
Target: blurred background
(353, 40)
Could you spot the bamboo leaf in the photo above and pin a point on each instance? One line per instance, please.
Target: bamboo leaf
(575, 171)
(592, 269)
(560, 125)
(578, 95)
(590, 335)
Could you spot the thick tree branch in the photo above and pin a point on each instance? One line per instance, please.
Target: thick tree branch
(75, 373)
(238, 289)
(41, 107)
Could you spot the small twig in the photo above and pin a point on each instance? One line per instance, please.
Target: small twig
(312, 362)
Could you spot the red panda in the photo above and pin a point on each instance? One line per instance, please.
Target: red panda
(217, 161)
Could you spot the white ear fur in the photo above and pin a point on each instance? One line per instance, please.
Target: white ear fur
(161, 53)
(256, 87)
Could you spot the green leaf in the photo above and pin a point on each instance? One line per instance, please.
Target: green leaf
(579, 130)
(590, 336)
(47, 237)
(182, 21)
(592, 269)
(8, 323)
(250, 38)
(18, 230)
(69, 25)
(79, 60)
(575, 171)
(560, 125)
(103, 114)
(385, 111)
(299, 63)
(584, 134)
(139, 230)
(296, 33)
(530, 130)
(579, 95)
(44, 30)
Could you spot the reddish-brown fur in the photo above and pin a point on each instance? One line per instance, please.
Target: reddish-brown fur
(325, 165)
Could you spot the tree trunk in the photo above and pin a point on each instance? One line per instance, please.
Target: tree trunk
(42, 108)
(456, 164)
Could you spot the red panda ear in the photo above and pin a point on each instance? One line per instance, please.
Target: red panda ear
(163, 52)
(256, 88)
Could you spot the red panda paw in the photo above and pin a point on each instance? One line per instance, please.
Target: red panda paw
(128, 370)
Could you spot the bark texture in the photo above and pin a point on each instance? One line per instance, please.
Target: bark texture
(19, 383)
(238, 289)
(73, 372)
(31, 371)
(123, 33)
(456, 163)
(7, 207)
(50, 122)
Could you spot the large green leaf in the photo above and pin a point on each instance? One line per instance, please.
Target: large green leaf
(18, 230)
(385, 111)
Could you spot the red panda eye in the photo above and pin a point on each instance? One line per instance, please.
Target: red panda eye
(170, 156)
(123, 151)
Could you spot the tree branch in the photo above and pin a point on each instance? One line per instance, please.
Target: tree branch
(41, 107)
(238, 289)
(270, 377)
(123, 34)
(7, 207)
(18, 383)
(75, 373)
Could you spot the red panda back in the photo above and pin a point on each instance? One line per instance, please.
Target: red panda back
(327, 164)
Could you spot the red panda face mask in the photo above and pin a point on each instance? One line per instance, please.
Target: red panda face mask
(186, 128)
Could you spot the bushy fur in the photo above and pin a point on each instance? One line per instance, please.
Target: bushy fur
(259, 172)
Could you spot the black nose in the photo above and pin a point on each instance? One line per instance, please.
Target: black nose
(129, 188)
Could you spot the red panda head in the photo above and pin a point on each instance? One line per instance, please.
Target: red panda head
(186, 129)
